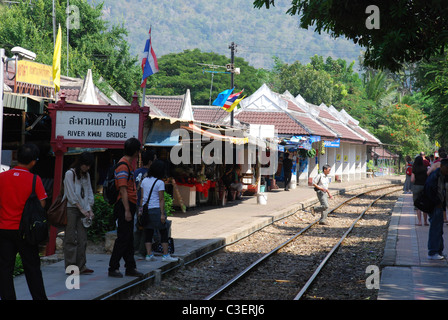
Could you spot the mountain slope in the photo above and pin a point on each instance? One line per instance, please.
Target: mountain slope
(211, 26)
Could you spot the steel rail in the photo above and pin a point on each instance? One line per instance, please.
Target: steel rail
(275, 250)
(336, 246)
(177, 266)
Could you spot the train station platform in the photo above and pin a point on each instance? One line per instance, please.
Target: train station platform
(195, 232)
(407, 273)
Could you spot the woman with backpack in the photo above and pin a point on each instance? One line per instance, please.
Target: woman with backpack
(153, 198)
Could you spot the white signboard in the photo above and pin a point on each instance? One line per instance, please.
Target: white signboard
(262, 130)
(81, 125)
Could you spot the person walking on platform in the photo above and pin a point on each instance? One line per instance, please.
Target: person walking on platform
(15, 188)
(124, 210)
(418, 178)
(287, 166)
(320, 184)
(435, 190)
(153, 190)
(80, 199)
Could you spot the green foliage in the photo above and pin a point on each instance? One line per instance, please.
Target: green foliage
(18, 266)
(180, 71)
(94, 45)
(168, 204)
(404, 127)
(407, 32)
(103, 221)
(433, 82)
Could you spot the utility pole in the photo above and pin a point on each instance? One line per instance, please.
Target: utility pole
(232, 72)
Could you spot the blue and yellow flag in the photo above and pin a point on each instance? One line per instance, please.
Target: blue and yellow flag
(222, 97)
(234, 104)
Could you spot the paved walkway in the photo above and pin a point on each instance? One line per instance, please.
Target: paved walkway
(196, 231)
(406, 273)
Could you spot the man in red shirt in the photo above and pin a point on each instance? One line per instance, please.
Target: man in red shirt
(124, 211)
(15, 188)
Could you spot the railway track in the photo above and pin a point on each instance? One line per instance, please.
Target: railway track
(199, 279)
(239, 279)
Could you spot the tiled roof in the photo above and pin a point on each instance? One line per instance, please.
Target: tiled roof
(71, 93)
(283, 123)
(172, 106)
(314, 126)
(327, 115)
(209, 114)
(369, 138)
(343, 131)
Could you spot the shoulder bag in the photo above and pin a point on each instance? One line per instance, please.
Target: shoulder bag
(57, 213)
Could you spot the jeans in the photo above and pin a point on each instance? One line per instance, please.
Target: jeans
(435, 236)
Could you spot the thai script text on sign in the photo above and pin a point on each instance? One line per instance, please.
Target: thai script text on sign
(34, 73)
(80, 125)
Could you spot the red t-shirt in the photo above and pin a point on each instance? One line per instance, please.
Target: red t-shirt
(15, 188)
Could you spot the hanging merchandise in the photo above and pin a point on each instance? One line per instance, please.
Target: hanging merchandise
(322, 147)
(311, 153)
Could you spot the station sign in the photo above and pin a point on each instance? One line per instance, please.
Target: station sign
(34, 73)
(81, 125)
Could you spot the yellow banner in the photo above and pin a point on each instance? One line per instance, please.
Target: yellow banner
(34, 73)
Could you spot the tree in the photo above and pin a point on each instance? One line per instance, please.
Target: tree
(433, 83)
(94, 44)
(407, 31)
(181, 71)
(404, 127)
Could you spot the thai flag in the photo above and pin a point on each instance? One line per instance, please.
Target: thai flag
(149, 61)
(231, 99)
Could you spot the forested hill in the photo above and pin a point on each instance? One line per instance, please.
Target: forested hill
(211, 25)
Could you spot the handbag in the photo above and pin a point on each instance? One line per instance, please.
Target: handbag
(157, 245)
(57, 213)
(145, 214)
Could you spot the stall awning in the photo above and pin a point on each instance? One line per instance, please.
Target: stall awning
(24, 102)
(206, 133)
(162, 134)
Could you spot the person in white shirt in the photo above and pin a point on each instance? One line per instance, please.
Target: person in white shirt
(80, 200)
(320, 184)
(156, 209)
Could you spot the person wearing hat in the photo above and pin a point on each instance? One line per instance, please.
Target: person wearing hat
(80, 199)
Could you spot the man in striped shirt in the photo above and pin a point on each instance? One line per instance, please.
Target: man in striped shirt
(124, 211)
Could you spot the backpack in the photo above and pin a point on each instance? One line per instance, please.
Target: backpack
(33, 224)
(428, 198)
(409, 170)
(110, 191)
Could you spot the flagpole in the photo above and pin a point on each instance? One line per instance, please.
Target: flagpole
(144, 88)
(232, 61)
(144, 96)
